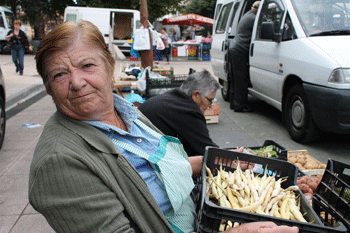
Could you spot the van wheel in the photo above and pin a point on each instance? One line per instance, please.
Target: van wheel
(297, 116)
(225, 90)
(5, 49)
(2, 121)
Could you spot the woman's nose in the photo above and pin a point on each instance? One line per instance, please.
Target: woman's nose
(77, 80)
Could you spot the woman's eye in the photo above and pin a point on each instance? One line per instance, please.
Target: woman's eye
(88, 65)
(58, 75)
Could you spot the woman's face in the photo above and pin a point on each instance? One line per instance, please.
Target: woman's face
(16, 26)
(80, 83)
(202, 101)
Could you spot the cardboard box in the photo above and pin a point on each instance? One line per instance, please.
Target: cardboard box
(212, 119)
(214, 110)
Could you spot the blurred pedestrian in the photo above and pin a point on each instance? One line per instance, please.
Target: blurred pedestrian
(239, 59)
(165, 39)
(18, 42)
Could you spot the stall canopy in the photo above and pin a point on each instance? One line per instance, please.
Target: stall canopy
(188, 19)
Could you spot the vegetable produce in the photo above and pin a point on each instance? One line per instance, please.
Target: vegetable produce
(266, 151)
(242, 190)
(303, 161)
(308, 185)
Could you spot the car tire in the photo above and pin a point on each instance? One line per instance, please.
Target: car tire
(2, 121)
(297, 116)
(225, 90)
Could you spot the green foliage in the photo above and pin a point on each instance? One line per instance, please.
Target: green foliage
(201, 7)
(155, 8)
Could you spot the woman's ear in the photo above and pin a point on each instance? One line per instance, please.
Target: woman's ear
(196, 96)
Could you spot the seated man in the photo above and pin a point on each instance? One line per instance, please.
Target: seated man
(179, 112)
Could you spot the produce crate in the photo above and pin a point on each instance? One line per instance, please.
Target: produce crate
(213, 110)
(164, 72)
(168, 83)
(206, 46)
(334, 191)
(206, 57)
(212, 119)
(281, 151)
(326, 216)
(211, 215)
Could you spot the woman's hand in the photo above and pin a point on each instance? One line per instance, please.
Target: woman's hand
(196, 164)
(262, 227)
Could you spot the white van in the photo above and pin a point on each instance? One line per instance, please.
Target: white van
(6, 24)
(299, 61)
(116, 25)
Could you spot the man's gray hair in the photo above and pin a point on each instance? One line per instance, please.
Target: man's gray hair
(202, 81)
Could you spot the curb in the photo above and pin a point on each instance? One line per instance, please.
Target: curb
(24, 99)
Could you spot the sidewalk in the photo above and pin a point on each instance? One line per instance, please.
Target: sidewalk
(16, 214)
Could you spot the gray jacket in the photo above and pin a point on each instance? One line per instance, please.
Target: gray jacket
(244, 32)
(80, 182)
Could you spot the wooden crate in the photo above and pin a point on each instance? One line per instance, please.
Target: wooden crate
(212, 119)
(213, 110)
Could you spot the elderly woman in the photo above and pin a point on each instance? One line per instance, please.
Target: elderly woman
(100, 165)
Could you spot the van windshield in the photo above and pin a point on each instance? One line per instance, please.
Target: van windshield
(9, 19)
(323, 17)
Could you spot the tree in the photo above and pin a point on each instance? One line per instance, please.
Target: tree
(156, 8)
(202, 7)
(41, 12)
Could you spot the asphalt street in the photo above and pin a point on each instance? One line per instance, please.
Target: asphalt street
(29, 107)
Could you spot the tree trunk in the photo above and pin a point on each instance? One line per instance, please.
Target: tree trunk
(146, 55)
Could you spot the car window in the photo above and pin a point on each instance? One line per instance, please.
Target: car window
(217, 10)
(235, 8)
(271, 11)
(10, 18)
(323, 17)
(71, 17)
(223, 17)
(1, 21)
(288, 30)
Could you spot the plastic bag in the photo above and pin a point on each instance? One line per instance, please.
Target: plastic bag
(133, 52)
(141, 82)
(154, 34)
(142, 41)
(133, 97)
(160, 44)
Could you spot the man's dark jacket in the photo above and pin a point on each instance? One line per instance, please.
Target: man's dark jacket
(176, 114)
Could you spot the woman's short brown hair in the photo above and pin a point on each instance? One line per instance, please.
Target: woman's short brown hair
(19, 22)
(63, 36)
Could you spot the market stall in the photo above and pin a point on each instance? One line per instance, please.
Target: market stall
(197, 47)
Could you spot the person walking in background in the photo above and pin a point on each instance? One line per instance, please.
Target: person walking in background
(18, 43)
(239, 59)
(165, 39)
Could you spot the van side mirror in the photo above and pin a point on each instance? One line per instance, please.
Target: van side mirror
(268, 32)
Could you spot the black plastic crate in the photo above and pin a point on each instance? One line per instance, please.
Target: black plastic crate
(334, 191)
(326, 216)
(281, 151)
(167, 82)
(211, 215)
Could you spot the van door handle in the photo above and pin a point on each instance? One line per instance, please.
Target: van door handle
(251, 49)
(224, 46)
